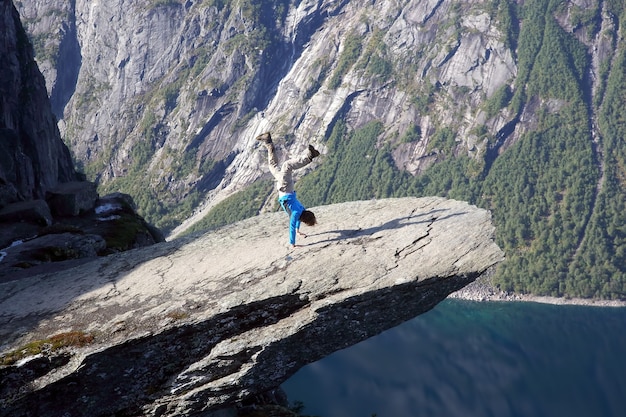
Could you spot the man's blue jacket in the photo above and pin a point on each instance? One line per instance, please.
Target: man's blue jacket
(294, 209)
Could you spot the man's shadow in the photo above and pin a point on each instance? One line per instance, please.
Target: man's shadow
(343, 234)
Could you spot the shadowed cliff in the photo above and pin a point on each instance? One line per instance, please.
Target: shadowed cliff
(33, 158)
(202, 322)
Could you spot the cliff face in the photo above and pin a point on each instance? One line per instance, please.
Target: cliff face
(181, 88)
(33, 158)
(206, 321)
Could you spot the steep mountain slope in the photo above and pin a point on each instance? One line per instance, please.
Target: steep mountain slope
(181, 89)
(511, 105)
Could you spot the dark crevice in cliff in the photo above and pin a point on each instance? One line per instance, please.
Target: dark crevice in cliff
(493, 151)
(68, 65)
(342, 112)
(432, 12)
(212, 178)
(217, 117)
(286, 50)
(450, 54)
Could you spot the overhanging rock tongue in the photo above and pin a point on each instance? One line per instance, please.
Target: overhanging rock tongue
(204, 321)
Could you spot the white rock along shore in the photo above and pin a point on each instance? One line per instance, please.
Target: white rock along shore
(483, 290)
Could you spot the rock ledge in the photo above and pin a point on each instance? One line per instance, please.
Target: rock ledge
(205, 321)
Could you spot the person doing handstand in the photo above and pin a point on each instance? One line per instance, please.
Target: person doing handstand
(284, 184)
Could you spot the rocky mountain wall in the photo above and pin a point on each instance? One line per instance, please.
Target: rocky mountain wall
(156, 83)
(197, 80)
(49, 214)
(33, 158)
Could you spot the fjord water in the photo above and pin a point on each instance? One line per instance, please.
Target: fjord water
(477, 359)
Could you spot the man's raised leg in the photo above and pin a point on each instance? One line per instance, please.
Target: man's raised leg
(266, 139)
(291, 164)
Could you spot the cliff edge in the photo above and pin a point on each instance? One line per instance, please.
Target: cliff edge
(203, 322)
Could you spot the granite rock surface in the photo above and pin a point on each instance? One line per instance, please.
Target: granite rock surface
(205, 321)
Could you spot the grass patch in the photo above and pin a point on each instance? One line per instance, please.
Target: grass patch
(177, 315)
(121, 234)
(47, 346)
(54, 254)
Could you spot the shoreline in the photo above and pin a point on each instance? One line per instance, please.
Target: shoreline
(482, 290)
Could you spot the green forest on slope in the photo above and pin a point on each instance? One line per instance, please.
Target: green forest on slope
(557, 197)
(562, 234)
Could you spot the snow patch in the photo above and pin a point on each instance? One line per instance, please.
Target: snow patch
(107, 208)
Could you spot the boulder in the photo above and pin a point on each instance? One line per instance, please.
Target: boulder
(12, 232)
(34, 211)
(72, 198)
(124, 201)
(200, 323)
(35, 255)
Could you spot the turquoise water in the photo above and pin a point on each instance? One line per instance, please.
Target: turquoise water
(477, 359)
